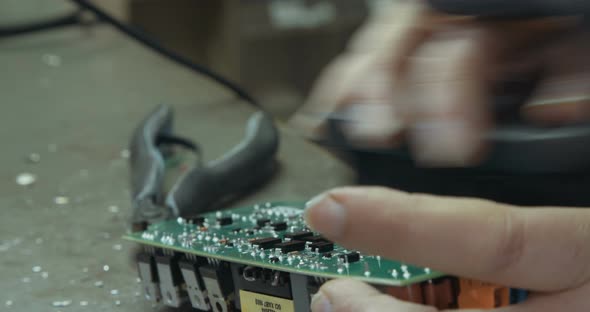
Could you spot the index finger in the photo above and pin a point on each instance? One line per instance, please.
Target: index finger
(539, 249)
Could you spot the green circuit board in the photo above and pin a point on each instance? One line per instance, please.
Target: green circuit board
(263, 236)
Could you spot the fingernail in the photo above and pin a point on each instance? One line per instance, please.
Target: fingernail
(443, 143)
(319, 303)
(323, 214)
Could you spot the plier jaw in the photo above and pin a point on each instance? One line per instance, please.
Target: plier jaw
(147, 168)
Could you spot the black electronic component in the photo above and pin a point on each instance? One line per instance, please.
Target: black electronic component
(148, 274)
(251, 273)
(262, 222)
(224, 221)
(262, 281)
(327, 255)
(218, 283)
(313, 239)
(322, 246)
(291, 246)
(197, 220)
(311, 285)
(298, 235)
(273, 259)
(266, 243)
(279, 226)
(170, 280)
(351, 257)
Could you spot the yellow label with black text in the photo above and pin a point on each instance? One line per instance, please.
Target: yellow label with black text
(255, 302)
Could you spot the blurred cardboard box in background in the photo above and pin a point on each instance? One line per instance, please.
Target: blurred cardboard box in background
(274, 48)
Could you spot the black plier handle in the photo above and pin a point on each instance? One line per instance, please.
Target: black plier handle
(247, 165)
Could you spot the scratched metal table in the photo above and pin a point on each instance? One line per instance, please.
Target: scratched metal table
(70, 99)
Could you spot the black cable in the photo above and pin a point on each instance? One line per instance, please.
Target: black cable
(159, 48)
(16, 30)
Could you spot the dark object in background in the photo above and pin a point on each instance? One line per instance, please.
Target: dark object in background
(519, 189)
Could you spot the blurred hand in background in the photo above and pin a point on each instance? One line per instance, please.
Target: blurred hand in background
(415, 74)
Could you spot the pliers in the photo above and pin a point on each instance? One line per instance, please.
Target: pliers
(200, 189)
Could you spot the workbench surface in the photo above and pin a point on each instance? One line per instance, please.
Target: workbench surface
(70, 99)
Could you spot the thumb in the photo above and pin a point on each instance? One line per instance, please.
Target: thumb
(468, 237)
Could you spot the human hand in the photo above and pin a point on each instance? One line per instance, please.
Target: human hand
(414, 74)
(544, 250)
